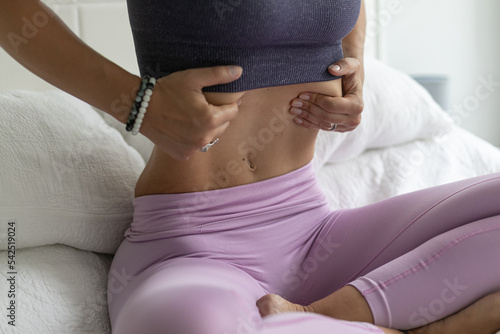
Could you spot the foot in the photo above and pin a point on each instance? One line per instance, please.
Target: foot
(274, 304)
(482, 317)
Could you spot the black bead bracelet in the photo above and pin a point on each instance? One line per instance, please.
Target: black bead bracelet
(140, 104)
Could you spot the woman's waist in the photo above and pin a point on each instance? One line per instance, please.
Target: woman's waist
(250, 205)
(262, 142)
(241, 156)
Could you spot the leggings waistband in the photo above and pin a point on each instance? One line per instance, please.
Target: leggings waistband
(166, 215)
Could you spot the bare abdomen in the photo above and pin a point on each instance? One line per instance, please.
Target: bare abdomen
(260, 143)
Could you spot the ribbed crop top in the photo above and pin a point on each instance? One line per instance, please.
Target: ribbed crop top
(277, 42)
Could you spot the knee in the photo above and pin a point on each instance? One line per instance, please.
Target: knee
(191, 310)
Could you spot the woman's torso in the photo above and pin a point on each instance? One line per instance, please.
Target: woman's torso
(262, 142)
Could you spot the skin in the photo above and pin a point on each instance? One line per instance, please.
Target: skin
(257, 129)
(262, 132)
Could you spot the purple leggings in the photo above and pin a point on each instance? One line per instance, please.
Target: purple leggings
(196, 263)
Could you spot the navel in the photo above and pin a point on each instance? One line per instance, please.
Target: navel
(250, 164)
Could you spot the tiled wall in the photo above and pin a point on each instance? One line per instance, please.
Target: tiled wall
(103, 24)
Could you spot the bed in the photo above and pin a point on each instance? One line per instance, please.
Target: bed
(68, 172)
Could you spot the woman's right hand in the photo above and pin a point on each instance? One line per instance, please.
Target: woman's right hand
(179, 119)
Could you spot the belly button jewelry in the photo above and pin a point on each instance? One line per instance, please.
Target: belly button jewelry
(206, 147)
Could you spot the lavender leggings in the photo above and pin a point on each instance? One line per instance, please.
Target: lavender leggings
(196, 263)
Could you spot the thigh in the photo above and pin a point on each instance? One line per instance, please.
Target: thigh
(194, 295)
(353, 242)
(186, 295)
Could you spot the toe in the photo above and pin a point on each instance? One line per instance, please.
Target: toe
(267, 305)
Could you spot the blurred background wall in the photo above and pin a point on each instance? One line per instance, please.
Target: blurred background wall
(457, 39)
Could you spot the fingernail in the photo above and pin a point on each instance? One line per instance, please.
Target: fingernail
(297, 103)
(235, 71)
(335, 67)
(304, 97)
(298, 120)
(239, 102)
(296, 111)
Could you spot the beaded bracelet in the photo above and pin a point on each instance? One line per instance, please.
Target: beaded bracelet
(140, 105)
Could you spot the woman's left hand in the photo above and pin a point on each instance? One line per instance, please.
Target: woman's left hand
(321, 111)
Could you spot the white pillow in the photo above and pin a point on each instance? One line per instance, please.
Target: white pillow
(59, 289)
(140, 142)
(397, 110)
(66, 176)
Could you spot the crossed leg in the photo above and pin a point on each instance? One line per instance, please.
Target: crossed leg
(429, 294)
(206, 296)
(414, 259)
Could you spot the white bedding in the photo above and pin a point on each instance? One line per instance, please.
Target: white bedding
(423, 163)
(62, 289)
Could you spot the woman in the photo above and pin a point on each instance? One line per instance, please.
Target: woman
(217, 237)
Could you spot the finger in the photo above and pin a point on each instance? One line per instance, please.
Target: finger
(223, 114)
(323, 118)
(352, 76)
(214, 125)
(315, 114)
(349, 104)
(346, 66)
(324, 102)
(313, 126)
(318, 104)
(326, 123)
(209, 76)
(218, 132)
(323, 105)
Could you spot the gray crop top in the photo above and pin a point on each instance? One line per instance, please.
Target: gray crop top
(277, 42)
